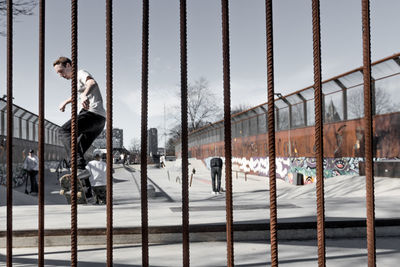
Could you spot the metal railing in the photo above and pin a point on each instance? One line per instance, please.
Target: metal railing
(227, 133)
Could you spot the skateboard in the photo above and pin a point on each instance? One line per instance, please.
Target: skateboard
(65, 183)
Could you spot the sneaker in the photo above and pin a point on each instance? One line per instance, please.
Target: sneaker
(212, 193)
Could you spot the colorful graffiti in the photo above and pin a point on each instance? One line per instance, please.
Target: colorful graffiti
(287, 168)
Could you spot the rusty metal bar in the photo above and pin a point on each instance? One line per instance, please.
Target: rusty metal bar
(227, 132)
(42, 5)
(143, 156)
(74, 132)
(271, 135)
(9, 145)
(109, 89)
(184, 149)
(318, 132)
(368, 131)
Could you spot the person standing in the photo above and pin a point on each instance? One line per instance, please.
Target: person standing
(91, 117)
(31, 165)
(98, 180)
(216, 172)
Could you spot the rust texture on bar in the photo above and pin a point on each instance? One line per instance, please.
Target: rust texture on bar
(9, 128)
(227, 131)
(184, 119)
(368, 132)
(74, 131)
(109, 89)
(42, 4)
(271, 135)
(143, 156)
(318, 132)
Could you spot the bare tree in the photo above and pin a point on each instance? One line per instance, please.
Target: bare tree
(20, 7)
(203, 106)
(135, 145)
(383, 103)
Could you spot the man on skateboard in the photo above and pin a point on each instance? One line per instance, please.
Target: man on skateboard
(91, 117)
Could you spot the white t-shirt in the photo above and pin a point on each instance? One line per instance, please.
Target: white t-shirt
(94, 95)
(97, 171)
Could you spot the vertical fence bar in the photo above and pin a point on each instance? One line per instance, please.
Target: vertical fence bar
(42, 5)
(368, 130)
(9, 129)
(74, 131)
(319, 132)
(227, 128)
(271, 134)
(143, 155)
(109, 89)
(184, 119)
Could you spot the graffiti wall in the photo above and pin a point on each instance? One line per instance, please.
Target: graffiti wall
(287, 168)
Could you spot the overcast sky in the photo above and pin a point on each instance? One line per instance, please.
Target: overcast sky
(341, 51)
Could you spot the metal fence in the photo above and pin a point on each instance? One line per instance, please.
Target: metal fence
(227, 132)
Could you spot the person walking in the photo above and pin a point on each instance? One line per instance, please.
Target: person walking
(31, 165)
(216, 172)
(91, 117)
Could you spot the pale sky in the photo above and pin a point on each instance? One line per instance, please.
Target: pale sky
(341, 51)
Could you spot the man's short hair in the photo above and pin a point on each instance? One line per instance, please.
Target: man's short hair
(63, 61)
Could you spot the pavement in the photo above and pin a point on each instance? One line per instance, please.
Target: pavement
(251, 205)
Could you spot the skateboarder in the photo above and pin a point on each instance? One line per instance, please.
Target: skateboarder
(91, 117)
(97, 169)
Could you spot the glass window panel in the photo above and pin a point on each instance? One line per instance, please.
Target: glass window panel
(333, 107)
(280, 104)
(234, 130)
(16, 127)
(294, 99)
(298, 115)
(283, 123)
(239, 128)
(310, 112)
(308, 94)
(24, 136)
(352, 79)
(253, 126)
(384, 69)
(355, 102)
(330, 87)
(387, 97)
(246, 127)
(3, 122)
(262, 123)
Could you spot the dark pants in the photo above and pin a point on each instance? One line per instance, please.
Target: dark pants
(216, 183)
(34, 185)
(90, 125)
(100, 194)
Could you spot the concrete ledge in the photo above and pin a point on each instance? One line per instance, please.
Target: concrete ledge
(206, 233)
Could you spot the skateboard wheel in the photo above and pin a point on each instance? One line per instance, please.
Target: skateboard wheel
(79, 194)
(61, 192)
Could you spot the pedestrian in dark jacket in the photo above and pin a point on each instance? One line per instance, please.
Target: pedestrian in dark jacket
(216, 171)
